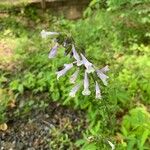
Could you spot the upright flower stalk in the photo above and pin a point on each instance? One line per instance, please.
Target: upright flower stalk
(82, 64)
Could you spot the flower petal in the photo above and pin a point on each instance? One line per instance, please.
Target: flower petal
(76, 56)
(98, 92)
(64, 71)
(44, 33)
(74, 90)
(74, 76)
(86, 90)
(53, 51)
(112, 145)
(102, 76)
(105, 69)
(87, 64)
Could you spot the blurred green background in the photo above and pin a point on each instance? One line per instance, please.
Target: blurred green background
(113, 32)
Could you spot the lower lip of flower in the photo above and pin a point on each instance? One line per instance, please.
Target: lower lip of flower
(86, 92)
(72, 94)
(90, 69)
(79, 63)
(98, 96)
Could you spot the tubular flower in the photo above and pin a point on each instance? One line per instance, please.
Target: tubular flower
(44, 34)
(87, 64)
(74, 90)
(74, 76)
(112, 145)
(105, 69)
(102, 76)
(76, 56)
(98, 92)
(86, 90)
(64, 44)
(53, 51)
(64, 71)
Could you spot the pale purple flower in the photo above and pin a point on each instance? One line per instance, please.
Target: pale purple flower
(76, 56)
(53, 51)
(98, 92)
(105, 69)
(102, 76)
(87, 64)
(74, 76)
(44, 33)
(64, 71)
(74, 90)
(112, 145)
(64, 44)
(86, 90)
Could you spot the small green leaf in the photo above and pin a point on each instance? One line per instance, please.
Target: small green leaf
(80, 142)
(144, 137)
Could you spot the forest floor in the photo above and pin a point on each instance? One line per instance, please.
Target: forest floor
(38, 129)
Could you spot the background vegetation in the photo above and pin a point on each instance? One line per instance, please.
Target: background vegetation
(113, 32)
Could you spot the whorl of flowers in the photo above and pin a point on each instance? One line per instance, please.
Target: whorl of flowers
(79, 61)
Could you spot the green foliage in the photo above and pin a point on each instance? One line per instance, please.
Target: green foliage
(113, 32)
(3, 105)
(5, 98)
(135, 129)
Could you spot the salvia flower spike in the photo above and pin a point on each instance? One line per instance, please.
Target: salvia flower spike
(76, 56)
(97, 90)
(74, 76)
(86, 90)
(44, 33)
(87, 64)
(74, 90)
(80, 61)
(64, 71)
(53, 51)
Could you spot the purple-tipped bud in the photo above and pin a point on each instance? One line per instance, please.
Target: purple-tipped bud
(76, 56)
(98, 92)
(105, 69)
(87, 64)
(74, 90)
(102, 76)
(74, 76)
(64, 71)
(53, 51)
(44, 34)
(86, 90)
